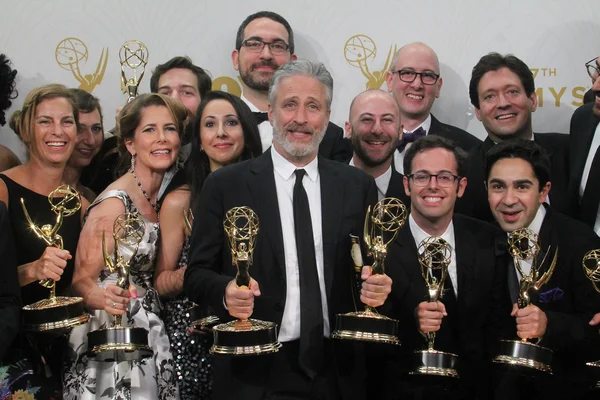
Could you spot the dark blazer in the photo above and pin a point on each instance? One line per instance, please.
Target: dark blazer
(459, 136)
(583, 126)
(474, 201)
(10, 291)
(396, 188)
(334, 146)
(473, 324)
(346, 193)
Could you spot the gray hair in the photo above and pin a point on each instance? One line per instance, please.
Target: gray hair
(307, 68)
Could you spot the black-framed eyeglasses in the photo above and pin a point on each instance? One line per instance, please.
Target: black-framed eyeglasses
(277, 47)
(444, 179)
(593, 69)
(408, 76)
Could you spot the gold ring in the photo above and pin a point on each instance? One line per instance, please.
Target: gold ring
(114, 305)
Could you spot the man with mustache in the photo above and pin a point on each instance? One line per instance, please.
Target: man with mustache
(265, 42)
(518, 180)
(374, 128)
(302, 271)
(502, 90)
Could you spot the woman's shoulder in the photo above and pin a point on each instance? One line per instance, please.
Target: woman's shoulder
(178, 198)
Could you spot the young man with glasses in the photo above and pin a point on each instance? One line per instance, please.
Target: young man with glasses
(265, 42)
(467, 320)
(415, 82)
(502, 91)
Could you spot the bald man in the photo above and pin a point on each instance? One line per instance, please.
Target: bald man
(374, 127)
(415, 82)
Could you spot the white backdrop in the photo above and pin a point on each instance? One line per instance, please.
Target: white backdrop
(554, 37)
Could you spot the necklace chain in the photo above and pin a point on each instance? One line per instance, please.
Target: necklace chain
(154, 205)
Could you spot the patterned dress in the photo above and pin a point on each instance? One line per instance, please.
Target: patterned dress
(193, 362)
(150, 378)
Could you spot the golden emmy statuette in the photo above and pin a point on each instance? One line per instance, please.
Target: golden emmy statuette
(381, 228)
(435, 255)
(523, 245)
(251, 336)
(119, 343)
(55, 313)
(133, 56)
(591, 266)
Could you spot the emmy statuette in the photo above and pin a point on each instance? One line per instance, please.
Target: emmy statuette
(523, 245)
(380, 229)
(119, 343)
(54, 313)
(251, 336)
(133, 56)
(591, 267)
(435, 255)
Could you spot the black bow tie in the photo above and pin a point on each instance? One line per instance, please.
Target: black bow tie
(409, 137)
(260, 117)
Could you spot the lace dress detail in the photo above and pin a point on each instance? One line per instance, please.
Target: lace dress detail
(150, 378)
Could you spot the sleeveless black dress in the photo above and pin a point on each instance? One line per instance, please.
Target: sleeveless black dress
(34, 361)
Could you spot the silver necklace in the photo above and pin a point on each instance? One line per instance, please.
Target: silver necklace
(154, 205)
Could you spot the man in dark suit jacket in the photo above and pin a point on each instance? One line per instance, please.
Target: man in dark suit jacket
(10, 291)
(338, 196)
(584, 142)
(415, 82)
(467, 320)
(518, 179)
(374, 129)
(502, 90)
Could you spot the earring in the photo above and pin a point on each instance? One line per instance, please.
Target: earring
(132, 162)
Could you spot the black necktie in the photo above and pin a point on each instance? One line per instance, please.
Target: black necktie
(409, 137)
(311, 311)
(591, 195)
(260, 117)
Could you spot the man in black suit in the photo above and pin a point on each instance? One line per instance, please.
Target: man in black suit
(585, 141)
(415, 82)
(374, 128)
(518, 181)
(10, 291)
(301, 273)
(264, 42)
(467, 320)
(502, 90)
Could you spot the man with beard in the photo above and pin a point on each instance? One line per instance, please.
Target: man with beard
(585, 157)
(307, 207)
(264, 42)
(415, 82)
(374, 128)
(502, 90)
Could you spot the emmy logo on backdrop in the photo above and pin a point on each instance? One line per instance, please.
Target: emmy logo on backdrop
(119, 343)
(523, 245)
(360, 51)
(54, 313)
(133, 56)
(380, 229)
(251, 336)
(71, 54)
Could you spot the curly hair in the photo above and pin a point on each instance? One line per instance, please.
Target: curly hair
(7, 86)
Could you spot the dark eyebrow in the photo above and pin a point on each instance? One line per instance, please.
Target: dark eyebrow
(496, 180)
(522, 181)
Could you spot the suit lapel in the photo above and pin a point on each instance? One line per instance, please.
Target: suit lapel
(587, 135)
(261, 185)
(465, 261)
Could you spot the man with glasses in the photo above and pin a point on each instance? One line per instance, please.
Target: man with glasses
(415, 82)
(585, 157)
(502, 90)
(467, 320)
(264, 42)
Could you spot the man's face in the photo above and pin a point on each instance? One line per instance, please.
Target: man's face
(181, 84)
(299, 117)
(257, 69)
(415, 98)
(504, 107)
(514, 193)
(596, 89)
(432, 203)
(374, 127)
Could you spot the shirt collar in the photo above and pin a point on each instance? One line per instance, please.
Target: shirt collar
(252, 107)
(419, 234)
(536, 224)
(425, 125)
(286, 169)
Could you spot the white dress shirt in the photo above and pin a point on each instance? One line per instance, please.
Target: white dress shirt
(419, 235)
(586, 173)
(264, 128)
(382, 181)
(399, 157)
(285, 179)
(535, 226)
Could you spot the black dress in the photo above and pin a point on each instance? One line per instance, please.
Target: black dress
(34, 361)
